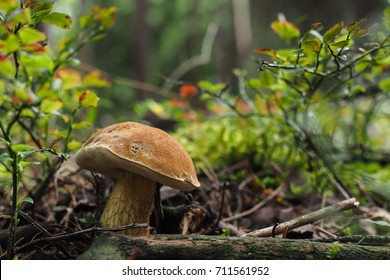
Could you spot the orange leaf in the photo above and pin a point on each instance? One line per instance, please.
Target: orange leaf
(70, 78)
(33, 48)
(266, 51)
(178, 104)
(188, 90)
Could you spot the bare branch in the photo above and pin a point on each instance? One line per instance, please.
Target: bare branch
(257, 206)
(306, 219)
(195, 61)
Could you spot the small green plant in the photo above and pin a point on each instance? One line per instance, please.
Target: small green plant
(333, 251)
(225, 232)
(44, 99)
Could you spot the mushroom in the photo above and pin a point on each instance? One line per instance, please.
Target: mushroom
(138, 157)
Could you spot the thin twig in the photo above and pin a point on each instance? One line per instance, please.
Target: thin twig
(60, 237)
(257, 206)
(124, 81)
(42, 229)
(324, 231)
(209, 171)
(34, 223)
(306, 219)
(224, 186)
(234, 231)
(198, 60)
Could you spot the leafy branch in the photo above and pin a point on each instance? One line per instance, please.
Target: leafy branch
(41, 97)
(324, 69)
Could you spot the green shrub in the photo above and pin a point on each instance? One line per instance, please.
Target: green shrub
(315, 105)
(44, 98)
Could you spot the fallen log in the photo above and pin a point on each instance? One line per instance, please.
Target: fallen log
(185, 247)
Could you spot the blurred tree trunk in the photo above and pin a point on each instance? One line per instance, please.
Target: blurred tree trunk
(242, 29)
(142, 43)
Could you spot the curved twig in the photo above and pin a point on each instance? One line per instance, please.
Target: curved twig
(306, 219)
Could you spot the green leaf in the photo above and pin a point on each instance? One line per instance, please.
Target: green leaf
(225, 232)
(88, 99)
(332, 32)
(385, 84)
(47, 92)
(213, 88)
(58, 19)
(74, 145)
(81, 125)
(50, 105)
(22, 94)
(3, 97)
(4, 141)
(8, 5)
(60, 133)
(86, 21)
(264, 81)
(357, 89)
(22, 147)
(24, 164)
(313, 45)
(287, 54)
(36, 62)
(362, 65)
(30, 35)
(340, 44)
(97, 37)
(40, 11)
(9, 44)
(94, 79)
(285, 29)
(386, 18)
(355, 25)
(7, 67)
(27, 200)
(5, 157)
(384, 61)
(360, 32)
(23, 16)
(24, 154)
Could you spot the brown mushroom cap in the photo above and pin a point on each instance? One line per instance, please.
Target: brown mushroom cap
(139, 149)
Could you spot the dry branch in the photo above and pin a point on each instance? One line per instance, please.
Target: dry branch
(257, 206)
(197, 60)
(306, 219)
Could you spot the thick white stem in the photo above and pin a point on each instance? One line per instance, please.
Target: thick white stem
(130, 202)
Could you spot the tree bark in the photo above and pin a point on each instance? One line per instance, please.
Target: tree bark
(242, 29)
(185, 247)
(142, 43)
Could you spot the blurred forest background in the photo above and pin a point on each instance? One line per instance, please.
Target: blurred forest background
(152, 38)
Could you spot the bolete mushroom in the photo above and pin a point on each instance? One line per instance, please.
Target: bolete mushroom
(137, 156)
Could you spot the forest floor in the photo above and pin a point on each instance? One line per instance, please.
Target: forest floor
(62, 224)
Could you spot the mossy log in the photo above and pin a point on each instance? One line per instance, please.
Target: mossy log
(184, 247)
